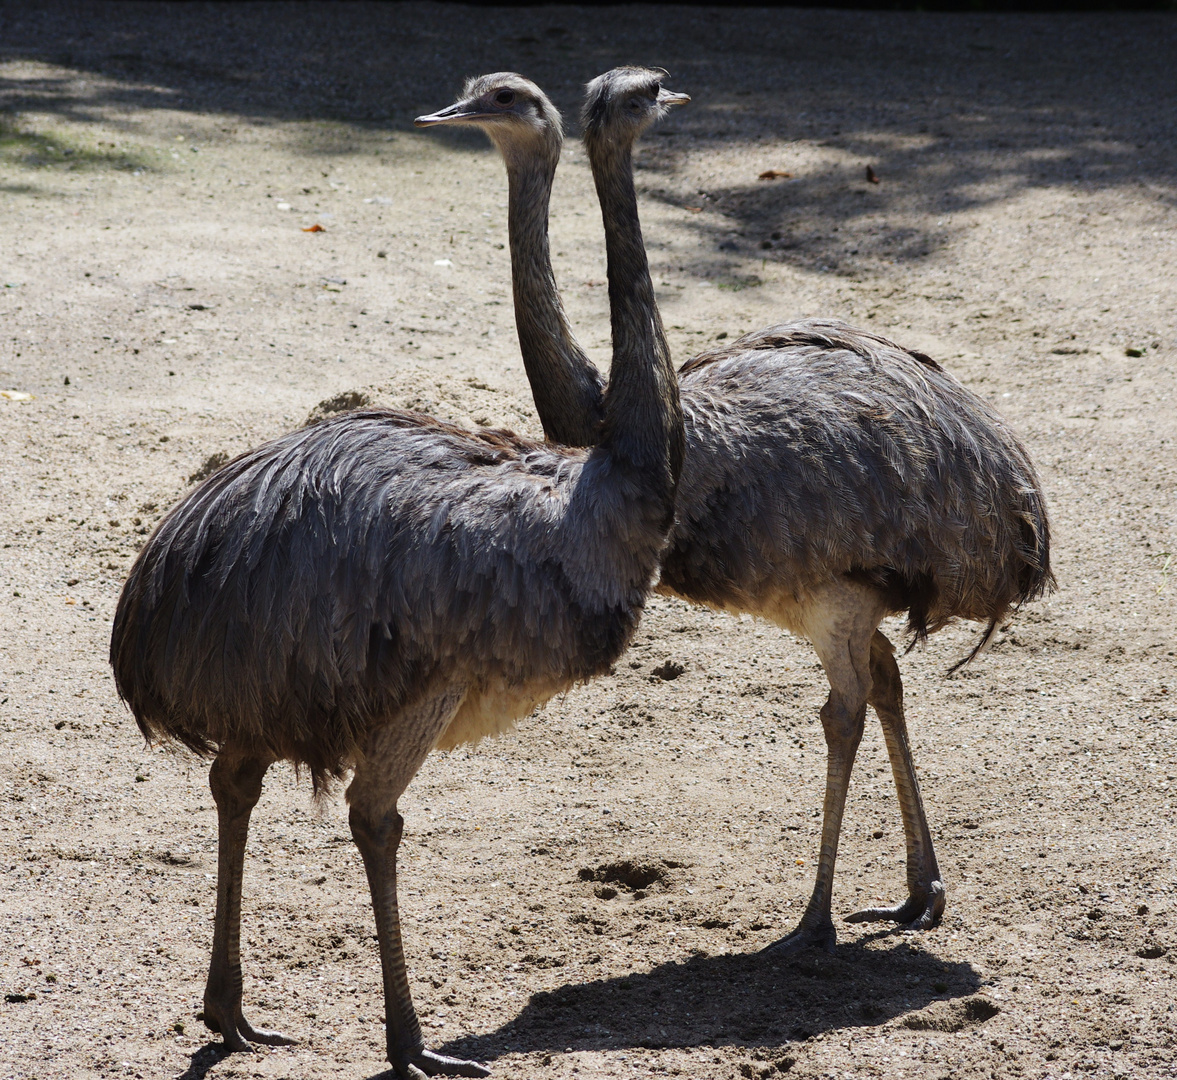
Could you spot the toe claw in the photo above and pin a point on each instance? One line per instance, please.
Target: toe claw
(262, 1035)
(239, 1035)
(823, 936)
(431, 1064)
(897, 914)
(925, 921)
(916, 913)
(230, 1036)
(234, 1042)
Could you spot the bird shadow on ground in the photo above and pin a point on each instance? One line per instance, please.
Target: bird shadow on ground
(199, 1064)
(753, 1000)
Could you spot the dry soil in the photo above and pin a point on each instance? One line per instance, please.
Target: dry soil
(588, 895)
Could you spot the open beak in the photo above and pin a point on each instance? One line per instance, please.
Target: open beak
(458, 113)
(669, 97)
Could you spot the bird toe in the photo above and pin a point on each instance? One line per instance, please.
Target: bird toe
(263, 1035)
(915, 913)
(821, 935)
(427, 1063)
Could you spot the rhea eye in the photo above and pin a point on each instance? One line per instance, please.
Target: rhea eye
(505, 97)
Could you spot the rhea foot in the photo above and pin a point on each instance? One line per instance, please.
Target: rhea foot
(427, 1063)
(239, 1034)
(916, 913)
(819, 934)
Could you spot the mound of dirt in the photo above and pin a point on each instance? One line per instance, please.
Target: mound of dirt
(633, 875)
(953, 1015)
(469, 402)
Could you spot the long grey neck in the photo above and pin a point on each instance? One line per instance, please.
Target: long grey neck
(643, 416)
(567, 387)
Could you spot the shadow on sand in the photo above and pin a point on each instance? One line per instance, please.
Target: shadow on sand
(754, 1000)
(204, 1059)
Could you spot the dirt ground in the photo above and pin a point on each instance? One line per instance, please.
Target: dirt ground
(588, 895)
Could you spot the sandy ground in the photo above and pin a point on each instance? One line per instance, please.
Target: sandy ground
(587, 895)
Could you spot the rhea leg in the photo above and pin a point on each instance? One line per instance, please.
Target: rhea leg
(840, 633)
(236, 783)
(925, 886)
(392, 757)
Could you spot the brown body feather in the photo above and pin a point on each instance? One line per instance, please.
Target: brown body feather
(816, 450)
(318, 585)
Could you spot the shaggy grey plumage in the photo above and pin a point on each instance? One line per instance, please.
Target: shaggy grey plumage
(355, 593)
(894, 474)
(315, 586)
(831, 478)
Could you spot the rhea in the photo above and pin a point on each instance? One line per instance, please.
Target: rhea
(352, 595)
(832, 479)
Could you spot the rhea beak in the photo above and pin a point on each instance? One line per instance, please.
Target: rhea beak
(669, 97)
(458, 113)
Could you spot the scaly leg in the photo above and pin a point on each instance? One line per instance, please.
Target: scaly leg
(842, 640)
(378, 841)
(843, 731)
(925, 886)
(236, 783)
(391, 759)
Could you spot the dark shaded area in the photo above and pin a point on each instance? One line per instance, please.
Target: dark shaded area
(960, 6)
(204, 1059)
(755, 1000)
(954, 111)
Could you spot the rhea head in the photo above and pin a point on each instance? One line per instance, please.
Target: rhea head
(622, 103)
(512, 110)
